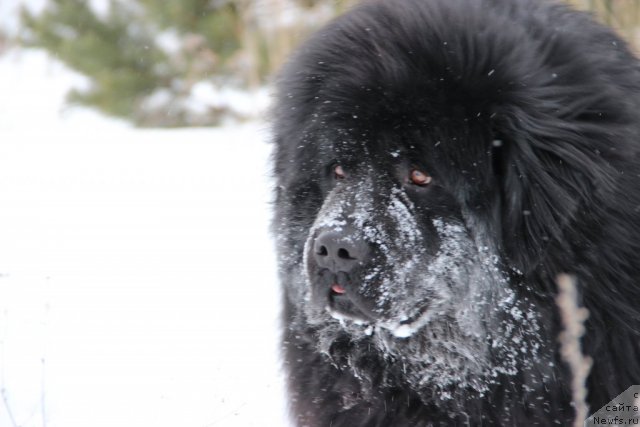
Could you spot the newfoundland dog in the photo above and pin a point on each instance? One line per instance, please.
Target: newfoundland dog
(438, 164)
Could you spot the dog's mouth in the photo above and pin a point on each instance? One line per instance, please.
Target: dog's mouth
(343, 304)
(337, 289)
(340, 297)
(342, 308)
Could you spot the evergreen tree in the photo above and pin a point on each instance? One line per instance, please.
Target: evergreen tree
(120, 55)
(144, 58)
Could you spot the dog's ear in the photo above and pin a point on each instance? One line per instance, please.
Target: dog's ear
(550, 168)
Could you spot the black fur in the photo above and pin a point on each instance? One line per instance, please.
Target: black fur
(525, 113)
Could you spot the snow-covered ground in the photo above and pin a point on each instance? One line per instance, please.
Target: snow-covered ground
(137, 274)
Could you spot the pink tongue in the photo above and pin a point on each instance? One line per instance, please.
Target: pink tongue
(338, 289)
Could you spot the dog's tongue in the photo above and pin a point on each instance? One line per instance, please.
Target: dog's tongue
(338, 289)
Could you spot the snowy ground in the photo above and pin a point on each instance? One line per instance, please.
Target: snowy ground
(137, 275)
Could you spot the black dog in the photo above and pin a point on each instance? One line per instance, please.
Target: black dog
(439, 163)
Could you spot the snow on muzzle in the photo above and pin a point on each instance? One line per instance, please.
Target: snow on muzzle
(364, 257)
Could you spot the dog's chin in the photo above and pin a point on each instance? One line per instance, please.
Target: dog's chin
(355, 318)
(397, 326)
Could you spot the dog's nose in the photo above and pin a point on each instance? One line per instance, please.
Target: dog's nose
(339, 250)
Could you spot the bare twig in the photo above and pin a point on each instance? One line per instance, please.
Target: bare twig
(3, 390)
(573, 318)
(7, 407)
(43, 361)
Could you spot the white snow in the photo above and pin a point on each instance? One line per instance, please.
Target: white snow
(137, 274)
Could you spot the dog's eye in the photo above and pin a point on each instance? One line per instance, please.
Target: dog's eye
(339, 172)
(419, 178)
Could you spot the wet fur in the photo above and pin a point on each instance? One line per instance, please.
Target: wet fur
(434, 83)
